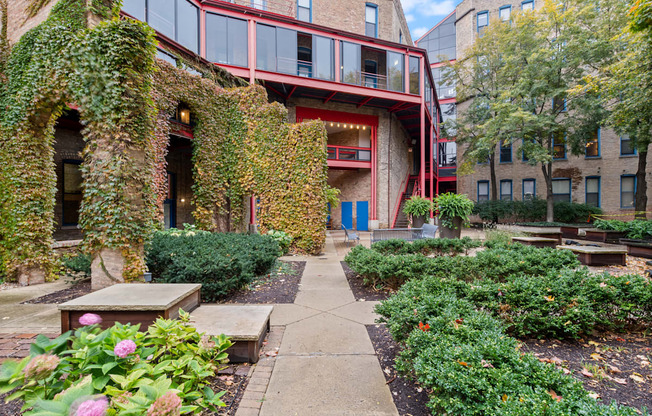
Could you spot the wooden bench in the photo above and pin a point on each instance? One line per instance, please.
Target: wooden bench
(557, 235)
(539, 242)
(598, 256)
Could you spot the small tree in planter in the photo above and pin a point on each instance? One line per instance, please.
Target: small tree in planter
(453, 212)
(416, 208)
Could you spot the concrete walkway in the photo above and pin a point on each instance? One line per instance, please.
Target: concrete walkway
(326, 364)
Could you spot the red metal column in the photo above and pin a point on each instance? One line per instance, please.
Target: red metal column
(407, 74)
(422, 119)
(202, 34)
(432, 166)
(252, 79)
(338, 63)
(374, 140)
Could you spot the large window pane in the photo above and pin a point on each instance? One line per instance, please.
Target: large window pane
(324, 64)
(447, 154)
(561, 190)
(72, 193)
(216, 38)
(266, 48)
(627, 191)
(529, 189)
(160, 16)
(395, 72)
(371, 20)
(303, 10)
(593, 191)
(506, 190)
(286, 50)
(238, 42)
(188, 25)
(483, 191)
(414, 75)
(350, 63)
(626, 148)
(136, 8)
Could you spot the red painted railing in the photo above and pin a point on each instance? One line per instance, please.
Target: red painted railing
(397, 204)
(358, 154)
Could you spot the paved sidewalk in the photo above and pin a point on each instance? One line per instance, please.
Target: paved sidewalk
(326, 363)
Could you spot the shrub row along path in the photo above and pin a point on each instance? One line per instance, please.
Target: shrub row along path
(326, 363)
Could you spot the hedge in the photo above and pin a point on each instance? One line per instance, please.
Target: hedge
(533, 210)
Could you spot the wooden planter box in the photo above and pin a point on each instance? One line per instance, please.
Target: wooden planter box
(570, 231)
(598, 256)
(638, 248)
(556, 235)
(539, 242)
(604, 236)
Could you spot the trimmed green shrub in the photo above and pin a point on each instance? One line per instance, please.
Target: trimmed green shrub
(426, 246)
(533, 210)
(636, 229)
(78, 263)
(220, 262)
(570, 212)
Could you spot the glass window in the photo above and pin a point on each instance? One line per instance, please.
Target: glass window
(259, 4)
(506, 152)
(505, 13)
(506, 190)
(304, 11)
(166, 57)
(286, 50)
(448, 112)
(529, 189)
(324, 65)
(160, 15)
(266, 47)
(627, 191)
(72, 192)
(440, 41)
(447, 154)
(395, 71)
(136, 8)
(371, 20)
(445, 88)
(593, 191)
(559, 147)
(187, 25)
(593, 147)
(561, 190)
(483, 21)
(483, 191)
(626, 148)
(527, 5)
(415, 69)
(217, 38)
(350, 63)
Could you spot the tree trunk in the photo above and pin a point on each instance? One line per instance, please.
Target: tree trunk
(550, 206)
(492, 173)
(641, 185)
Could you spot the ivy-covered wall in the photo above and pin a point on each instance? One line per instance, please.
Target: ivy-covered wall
(84, 54)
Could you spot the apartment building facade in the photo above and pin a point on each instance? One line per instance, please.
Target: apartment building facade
(604, 176)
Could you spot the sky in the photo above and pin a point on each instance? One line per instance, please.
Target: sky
(422, 15)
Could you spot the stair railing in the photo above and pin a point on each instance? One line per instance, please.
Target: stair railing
(397, 205)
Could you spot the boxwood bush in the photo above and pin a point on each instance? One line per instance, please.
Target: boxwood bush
(426, 246)
(220, 262)
(533, 210)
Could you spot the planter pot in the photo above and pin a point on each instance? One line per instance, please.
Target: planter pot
(455, 232)
(638, 248)
(417, 222)
(604, 236)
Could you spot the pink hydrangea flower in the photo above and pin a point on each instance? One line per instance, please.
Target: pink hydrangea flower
(41, 366)
(93, 407)
(124, 348)
(90, 319)
(167, 405)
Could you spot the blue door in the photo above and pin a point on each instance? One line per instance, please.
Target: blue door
(362, 212)
(347, 215)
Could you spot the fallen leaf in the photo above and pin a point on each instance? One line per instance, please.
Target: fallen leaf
(637, 377)
(596, 356)
(613, 369)
(594, 395)
(486, 364)
(463, 363)
(554, 395)
(505, 397)
(549, 298)
(620, 380)
(586, 373)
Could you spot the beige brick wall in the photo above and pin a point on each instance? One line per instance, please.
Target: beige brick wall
(18, 23)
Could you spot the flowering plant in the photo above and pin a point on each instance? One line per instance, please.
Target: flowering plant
(92, 372)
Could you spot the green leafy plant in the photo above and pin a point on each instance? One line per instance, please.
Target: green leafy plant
(417, 206)
(451, 206)
(77, 264)
(131, 369)
(282, 238)
(534, 210)
(636, 229)
(333, 196)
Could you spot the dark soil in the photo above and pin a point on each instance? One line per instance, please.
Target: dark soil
(362, 292)
(10, 408)
(76, 290)
(233, 380)
(409, 398)
(616, 367)
(280, 286)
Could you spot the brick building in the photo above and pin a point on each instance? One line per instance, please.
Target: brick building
(351, 64)
(604, 176)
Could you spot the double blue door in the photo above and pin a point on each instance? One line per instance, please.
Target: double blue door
(362, 212)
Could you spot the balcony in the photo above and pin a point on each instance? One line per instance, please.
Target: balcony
(349, 157)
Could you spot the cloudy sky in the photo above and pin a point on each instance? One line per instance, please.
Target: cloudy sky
(421, 15)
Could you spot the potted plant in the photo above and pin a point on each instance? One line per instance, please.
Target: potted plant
(416, 208)
(453, 211)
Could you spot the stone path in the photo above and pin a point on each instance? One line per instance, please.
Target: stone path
(326, 364)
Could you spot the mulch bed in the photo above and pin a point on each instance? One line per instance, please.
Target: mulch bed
(76, 290)
(280, 286)
(233, 379)
(361, 292)
(616, 367)
(409, 398)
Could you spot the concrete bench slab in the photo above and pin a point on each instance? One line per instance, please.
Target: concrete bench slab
(246, 325)
(537, 241)
(598, 256)
(134, 303)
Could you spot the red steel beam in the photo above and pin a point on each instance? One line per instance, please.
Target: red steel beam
(365, 101)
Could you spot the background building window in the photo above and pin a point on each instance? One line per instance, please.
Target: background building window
(72, 192)
(626, 148)
(176, 19)
(505, 13)
(371, 20)
(483, 191)
(559, 147)
(593, 191)
(529, 189)
(259, 4)
(505, 152)
(136, 8)
(440, 41)
(483, 21)
(304, 10)
(395, 71)
(593, 146)
(447, 154)
(561, 190)
(506, 190)
(527, 5)
(627, 191)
